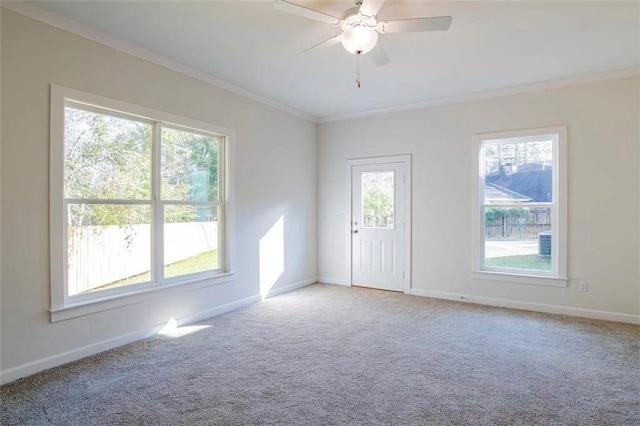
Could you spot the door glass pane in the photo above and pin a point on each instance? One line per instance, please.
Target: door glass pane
(106, 157)
(378, 199)
(190, 239)
(518, 172)
(518, 237)
(189, 166)
(108, 246)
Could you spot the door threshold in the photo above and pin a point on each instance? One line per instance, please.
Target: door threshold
(376, 288)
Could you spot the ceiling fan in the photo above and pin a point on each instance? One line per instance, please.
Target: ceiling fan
(360, 27)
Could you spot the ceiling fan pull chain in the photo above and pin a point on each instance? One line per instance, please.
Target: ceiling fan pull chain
(358, 70)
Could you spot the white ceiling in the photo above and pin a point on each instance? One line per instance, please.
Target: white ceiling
(491, 45)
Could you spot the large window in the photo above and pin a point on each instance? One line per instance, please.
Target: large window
(520, 215)
(138, 200)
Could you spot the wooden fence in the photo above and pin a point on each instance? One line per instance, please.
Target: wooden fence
(100, 255)
(514, 225)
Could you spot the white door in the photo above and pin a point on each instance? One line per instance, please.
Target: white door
(378, 225)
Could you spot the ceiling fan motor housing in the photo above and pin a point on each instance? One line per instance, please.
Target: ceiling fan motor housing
(361, 27)
(360, 31)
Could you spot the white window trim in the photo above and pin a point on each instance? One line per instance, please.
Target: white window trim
(61, 307)
(558, 276)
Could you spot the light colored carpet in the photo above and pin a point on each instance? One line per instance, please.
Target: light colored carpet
(328, 355)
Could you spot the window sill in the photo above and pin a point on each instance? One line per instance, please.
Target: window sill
(520, 279)
(88, 307)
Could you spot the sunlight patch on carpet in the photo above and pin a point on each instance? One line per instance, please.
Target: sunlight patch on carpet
(172, 329)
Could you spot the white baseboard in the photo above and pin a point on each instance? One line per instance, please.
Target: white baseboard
(291, 287)
(528, 306)
(219, 310)
(327, 280)
(33, 367)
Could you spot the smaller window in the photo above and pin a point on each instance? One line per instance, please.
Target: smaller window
(520, 214)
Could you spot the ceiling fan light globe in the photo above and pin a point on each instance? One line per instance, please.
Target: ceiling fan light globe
(359, 39)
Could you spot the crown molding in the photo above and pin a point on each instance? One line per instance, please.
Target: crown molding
(58, 21)
(507, 91)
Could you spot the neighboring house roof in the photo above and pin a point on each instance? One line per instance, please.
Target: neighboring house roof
(493, 192)
(532, 167)
(532, 181)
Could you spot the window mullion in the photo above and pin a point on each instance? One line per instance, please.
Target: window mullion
(157, 237)
(65, 253)
(107, 201)
(222, 203)
(483, 236)
(545, 205)
(186, 202)
(555, 223)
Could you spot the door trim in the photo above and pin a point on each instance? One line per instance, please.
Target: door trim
(406, 159)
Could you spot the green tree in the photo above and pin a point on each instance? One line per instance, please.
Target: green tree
(377, 202)
(504, 158)
(109, 157)
(189, 172)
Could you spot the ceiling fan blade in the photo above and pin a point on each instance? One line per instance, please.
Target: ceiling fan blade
(296, 9)
(438, 23)
(371, 7)
(378, 56)
(323, 45)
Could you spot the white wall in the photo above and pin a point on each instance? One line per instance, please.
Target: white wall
(0, 189)
(275, 175)
(602, 120)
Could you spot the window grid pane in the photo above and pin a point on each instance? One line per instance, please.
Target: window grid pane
(518, 238)
(518, 172)
(191, 239)
(108, 246)
(189, 165)
(106, 157)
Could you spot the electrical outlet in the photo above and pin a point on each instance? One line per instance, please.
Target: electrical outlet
(583, 286)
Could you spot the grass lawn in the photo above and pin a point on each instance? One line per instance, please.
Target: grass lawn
(198, 263)
(523, 261)
(201, 262)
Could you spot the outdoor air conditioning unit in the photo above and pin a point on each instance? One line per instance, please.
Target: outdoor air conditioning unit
(544, 244)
